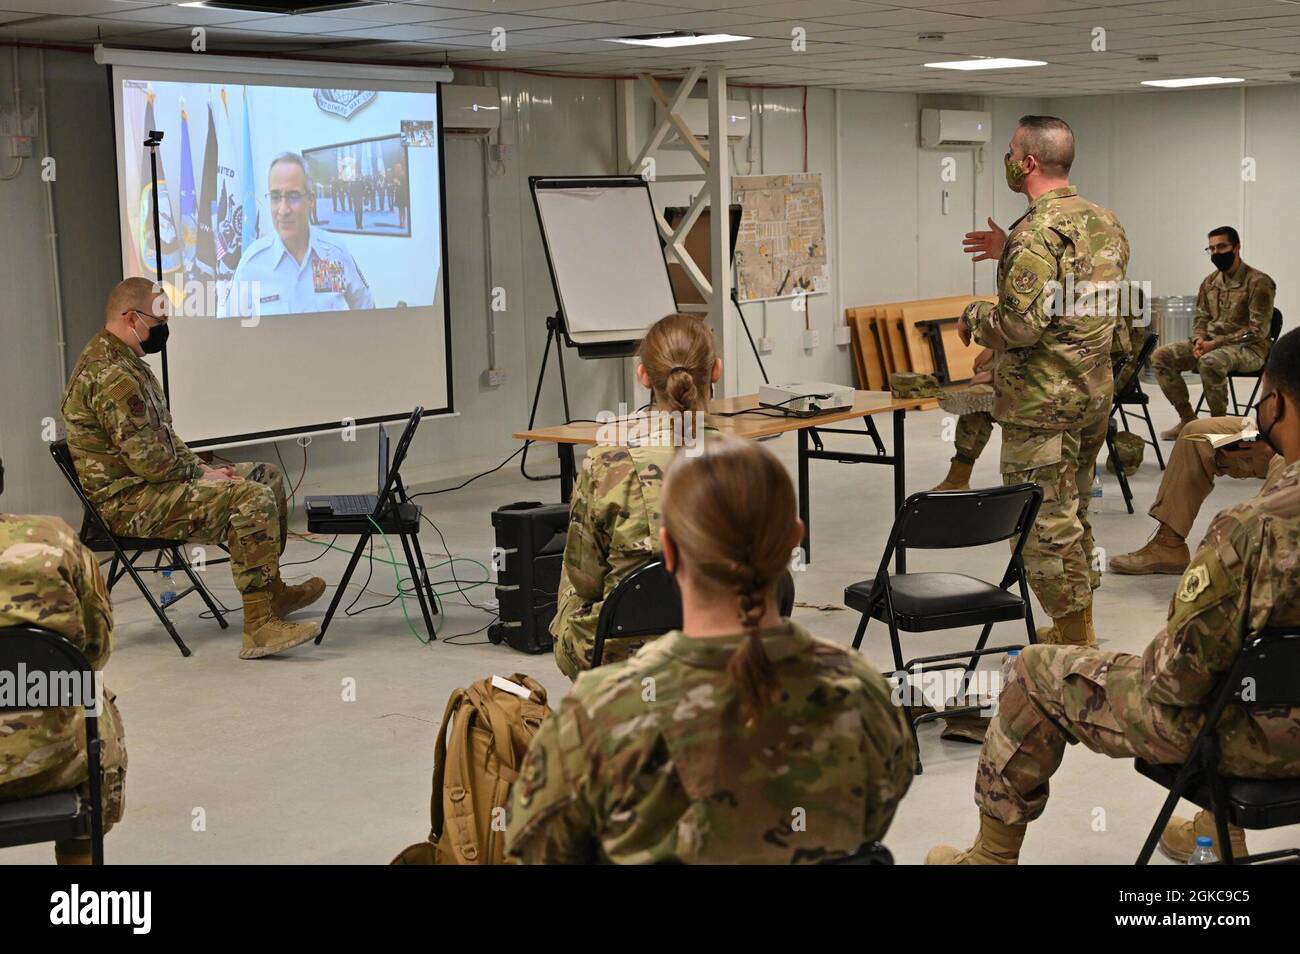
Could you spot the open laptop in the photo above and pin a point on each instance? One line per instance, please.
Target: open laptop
(360, 505)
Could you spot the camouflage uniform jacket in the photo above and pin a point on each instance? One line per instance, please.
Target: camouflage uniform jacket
(119, 429)
(1235, 309)
(613, 529)
(1244, 578)
(49, 579)
(1054, 339)
(651, 760)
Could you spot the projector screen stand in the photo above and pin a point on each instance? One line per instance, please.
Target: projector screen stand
(552, 335)
(152, 143)
(735, 300)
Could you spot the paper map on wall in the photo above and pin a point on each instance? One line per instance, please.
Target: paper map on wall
(781, 246)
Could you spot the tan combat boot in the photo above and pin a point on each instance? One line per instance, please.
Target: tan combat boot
(265, 634)
(1185, 416)
(1073, 630)
(1178, 840)
(1165, 552)
(78, 855)
(996, 844)
(958, 477)
(287, 599)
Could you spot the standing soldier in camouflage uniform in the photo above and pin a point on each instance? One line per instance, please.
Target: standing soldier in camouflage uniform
(48, 579)
(740, 738)
(614, 525)
(1052, 338)
(1234, 314)
(147, 483)
(1242, 580)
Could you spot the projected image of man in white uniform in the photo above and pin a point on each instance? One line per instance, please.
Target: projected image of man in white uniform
(297, 268)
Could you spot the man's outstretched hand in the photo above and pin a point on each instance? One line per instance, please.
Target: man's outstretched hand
(985, 245)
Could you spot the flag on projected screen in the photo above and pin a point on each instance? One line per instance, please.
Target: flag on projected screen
(228, 228)
(205, 251)
(171, 258)
(189, 201)
(248, 197)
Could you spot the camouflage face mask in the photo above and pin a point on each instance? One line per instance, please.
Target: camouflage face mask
(1015, 173)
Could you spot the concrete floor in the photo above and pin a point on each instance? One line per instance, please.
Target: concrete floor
(270, 763)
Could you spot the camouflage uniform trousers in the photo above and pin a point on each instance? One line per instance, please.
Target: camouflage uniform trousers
(1170, 360)
(74, 772)
(973, 433)
(249, 516)
(1091, 441)
(1055, 560)
(1059, 695)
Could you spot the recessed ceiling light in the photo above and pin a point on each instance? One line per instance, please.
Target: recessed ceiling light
(282, 7)
(986, 63)
(678, 38)
(1193, 81)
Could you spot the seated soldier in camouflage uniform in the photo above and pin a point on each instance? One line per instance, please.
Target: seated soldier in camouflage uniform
(1242, 580)
(740, 739)
(615, 512)
(1234, 314)
(1187, 482)
(147, 483)
(48, 579)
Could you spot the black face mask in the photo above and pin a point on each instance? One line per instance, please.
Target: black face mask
(153, 342)
(1265, 432)
(1223, 260)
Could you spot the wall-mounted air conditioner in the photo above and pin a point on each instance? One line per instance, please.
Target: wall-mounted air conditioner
(954, 127)
(470, 112)
(695, 112)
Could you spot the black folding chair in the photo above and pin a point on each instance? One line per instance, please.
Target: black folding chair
(69, 814)
(646, 604)
(1274, 332)
(96, 534)
(870, 853)
(1129, 393)
(1265, 674)
(925, 602)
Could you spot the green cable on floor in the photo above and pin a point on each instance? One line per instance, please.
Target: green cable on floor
(434, 566)
(397, 576)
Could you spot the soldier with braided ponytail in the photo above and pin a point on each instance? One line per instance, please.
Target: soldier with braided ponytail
(740, 738)
(615, 516)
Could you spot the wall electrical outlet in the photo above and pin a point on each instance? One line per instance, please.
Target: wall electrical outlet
(843, 335)
(811, 338)
(494, 377)
(766, 345)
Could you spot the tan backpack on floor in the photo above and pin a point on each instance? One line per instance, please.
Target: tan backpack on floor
(489, 730)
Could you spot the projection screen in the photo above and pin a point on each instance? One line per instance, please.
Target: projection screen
(303, 239)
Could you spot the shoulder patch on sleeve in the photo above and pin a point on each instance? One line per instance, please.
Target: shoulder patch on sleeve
(122, 388)
(1027, 273)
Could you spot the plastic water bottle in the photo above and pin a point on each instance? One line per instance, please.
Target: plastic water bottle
(168, 594)
(1008, 665)
(1096, 486)
(1204, 852)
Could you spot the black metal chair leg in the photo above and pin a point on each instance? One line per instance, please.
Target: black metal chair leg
(204, 595)
(1155, 438)
(415, 580)
(157, 610)
(424, 575)
(862, 628)
(1166, 812)
(343, 585)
